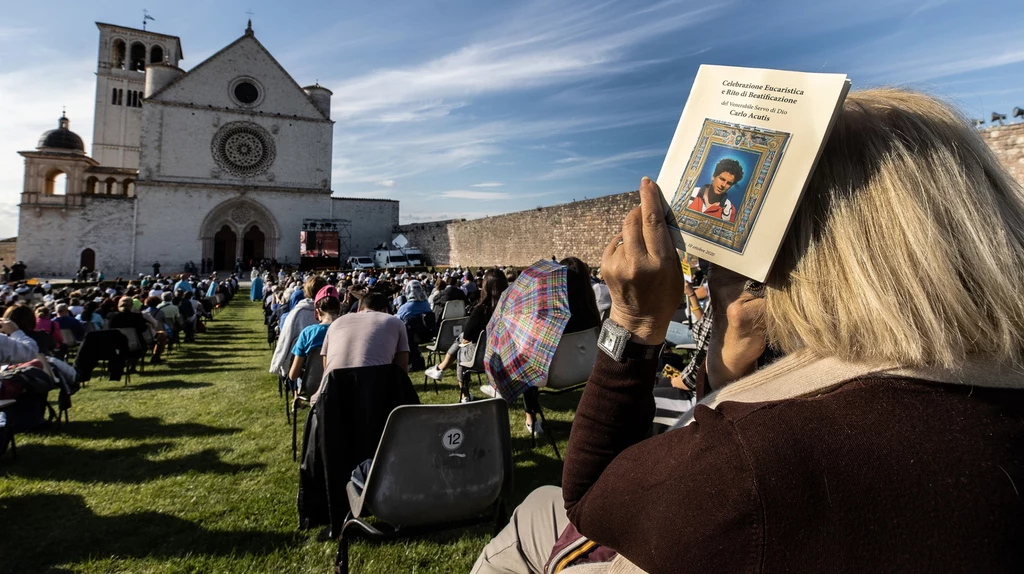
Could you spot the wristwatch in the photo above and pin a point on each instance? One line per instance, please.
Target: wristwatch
(614, 341)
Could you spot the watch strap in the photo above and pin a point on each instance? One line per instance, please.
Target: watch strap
(638, 352)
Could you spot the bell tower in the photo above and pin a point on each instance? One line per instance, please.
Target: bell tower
(124, 54)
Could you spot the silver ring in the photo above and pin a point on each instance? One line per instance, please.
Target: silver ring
(755, 288)
(620, 242)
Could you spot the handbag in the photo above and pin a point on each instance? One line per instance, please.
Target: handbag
(200, 326)
(467, 354)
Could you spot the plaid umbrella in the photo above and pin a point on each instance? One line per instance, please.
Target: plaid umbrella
(525, 329)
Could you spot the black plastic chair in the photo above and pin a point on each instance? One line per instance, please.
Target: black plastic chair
(437, 467)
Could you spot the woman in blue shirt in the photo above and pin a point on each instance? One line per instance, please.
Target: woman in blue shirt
(417, 303)
(326, 308)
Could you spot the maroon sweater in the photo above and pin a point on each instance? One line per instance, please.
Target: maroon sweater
(879, 475)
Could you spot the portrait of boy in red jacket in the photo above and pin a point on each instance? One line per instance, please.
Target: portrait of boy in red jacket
(712, 199)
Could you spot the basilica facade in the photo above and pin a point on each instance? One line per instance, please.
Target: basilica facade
(229, 160)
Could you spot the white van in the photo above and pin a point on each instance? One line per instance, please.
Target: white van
(363, 262)
(389, 259)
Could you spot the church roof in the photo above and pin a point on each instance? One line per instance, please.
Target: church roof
(247, 35)
(61, 138)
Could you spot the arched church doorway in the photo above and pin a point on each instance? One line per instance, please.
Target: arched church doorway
(254, 233)
(224, 248)
(252, 245)
(87, 260)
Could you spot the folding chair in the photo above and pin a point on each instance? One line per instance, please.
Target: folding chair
(70, 342)
(136, 348)
(570, 368)
(476, 366)
(437, 467)
(312, 375)
(454, 310)
(449, 332)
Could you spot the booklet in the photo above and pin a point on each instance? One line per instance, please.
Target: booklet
(744, 149)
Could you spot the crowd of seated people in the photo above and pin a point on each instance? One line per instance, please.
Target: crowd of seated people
(44, 327)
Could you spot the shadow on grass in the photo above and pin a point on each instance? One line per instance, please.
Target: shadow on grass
(124, 426)
(77, 534)
(157, 386)
(128, 465)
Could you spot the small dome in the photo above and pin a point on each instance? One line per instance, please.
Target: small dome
(61, 138)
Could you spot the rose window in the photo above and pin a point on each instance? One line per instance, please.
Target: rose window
(243, 148)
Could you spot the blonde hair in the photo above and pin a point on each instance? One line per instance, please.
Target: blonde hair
(908, 246)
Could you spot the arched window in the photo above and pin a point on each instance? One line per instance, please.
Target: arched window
(90, 185)
(56, 183)
(128, 188)
(117, 59)
(137, 62)
(156, 54)
(110, 184)
(131, 98)
(120, 96)
(113, 96)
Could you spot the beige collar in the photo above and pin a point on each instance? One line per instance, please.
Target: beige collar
(802, 374)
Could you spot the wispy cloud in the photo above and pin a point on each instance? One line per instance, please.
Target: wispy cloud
(425, 216)
(896, 58)
(535, 47)
(584, 165)
(475, 195)
(387, 183)
(488, 184)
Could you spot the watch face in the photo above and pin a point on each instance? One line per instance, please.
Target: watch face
(612, 339)
(607, 339)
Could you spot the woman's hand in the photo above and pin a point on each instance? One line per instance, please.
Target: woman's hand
(738, 329)
(642, 270)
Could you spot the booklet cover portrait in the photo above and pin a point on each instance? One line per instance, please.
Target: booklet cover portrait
(728, 177)
(740, 159)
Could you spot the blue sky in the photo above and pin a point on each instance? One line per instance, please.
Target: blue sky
(461, 108)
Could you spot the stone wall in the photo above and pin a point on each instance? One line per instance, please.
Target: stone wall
(432, 238)
(51, 238)
(581, 229)
(1008, 144)
(8, 251)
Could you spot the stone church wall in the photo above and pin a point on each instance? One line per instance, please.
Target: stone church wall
(177, 143)
(53, 238)
(178, 212)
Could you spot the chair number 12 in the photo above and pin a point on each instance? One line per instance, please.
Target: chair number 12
(452, 438)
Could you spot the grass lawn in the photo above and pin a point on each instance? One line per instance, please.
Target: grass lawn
(189, 469)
